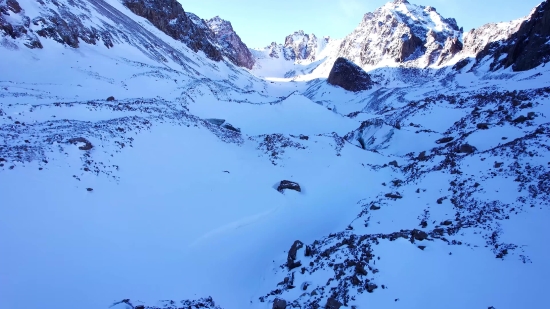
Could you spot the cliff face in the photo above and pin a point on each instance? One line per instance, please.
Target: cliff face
(231, 44)
(400, 32)
(169, 17)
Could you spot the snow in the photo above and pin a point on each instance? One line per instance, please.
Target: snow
(186, 209)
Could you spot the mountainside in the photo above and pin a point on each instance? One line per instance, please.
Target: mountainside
(231, 43)
(141, 170)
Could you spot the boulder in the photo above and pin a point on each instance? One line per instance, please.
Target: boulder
(87, 144)
(291, 263)
(332, 303)
(349, 76)
(216, 121)
(279, 303)
(444, 140)
(466, 148)
(287, 184)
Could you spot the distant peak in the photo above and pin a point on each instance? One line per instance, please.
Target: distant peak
(400, 2)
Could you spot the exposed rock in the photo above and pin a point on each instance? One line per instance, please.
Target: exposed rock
(447, 222)
(279, 303)
(169, 17)
(374, 207)
(401, 31)
(287, 184)
(230, 127)
(349, 76)
(111, 98)
(483, 126)
(394, 163)
(231, 45)
(419, 235)
(291, 263)
(216, 121)
(445, 140)
(87, 144)
(466, 148)
(332, 303)
(525, 48)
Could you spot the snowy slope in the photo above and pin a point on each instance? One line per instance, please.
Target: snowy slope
(429, 190)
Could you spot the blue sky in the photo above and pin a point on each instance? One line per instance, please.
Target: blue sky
(260, 22)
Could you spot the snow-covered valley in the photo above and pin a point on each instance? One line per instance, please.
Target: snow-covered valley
(149, 172)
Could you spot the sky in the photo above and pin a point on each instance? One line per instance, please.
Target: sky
(260, 22)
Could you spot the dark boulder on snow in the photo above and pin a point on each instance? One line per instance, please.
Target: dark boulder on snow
(445, 140)
(279, 303)
(110, 99)
(466, 148)
(216, 121)
(87, 144)
(287, 184)
(332, 303)
(419, 235)
(349, 76)
(291, 259)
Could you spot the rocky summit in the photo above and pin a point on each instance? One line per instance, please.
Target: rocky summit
(149, 159)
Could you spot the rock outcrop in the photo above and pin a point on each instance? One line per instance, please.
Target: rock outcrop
(349, 76)
(230, 43)
(169, 17)
(287, 184)
(401, 32)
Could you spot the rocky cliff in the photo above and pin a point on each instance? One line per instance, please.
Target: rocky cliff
(231, 44)
(169, 17)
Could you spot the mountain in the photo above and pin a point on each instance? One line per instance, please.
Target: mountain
(231, 45)
(142, 168)
(403, 32)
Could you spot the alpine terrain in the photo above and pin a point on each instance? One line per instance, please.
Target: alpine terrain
(150, 159)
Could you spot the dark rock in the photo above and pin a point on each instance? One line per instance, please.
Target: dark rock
(216, 121)
(332, 303)
(371, 287)
(287, 184)
(445, 140)
(394, 163)
(349, 76)
(89, 189)
(111, 98)
(424, 224)
(422, 156)
(419, 235)
(232, 46)
(520, 119)
(393, 195)
(374, 207)
(88, 145)
(466, 148)
(483, 126)
(139, 307)
(304, 137)
(528, 47)
(232, 128)
(279, 303)
(169, 17)
(360, 270)
(291, 263)
(447, 222)
(308, 252)
(422, 247)
(498, 164)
